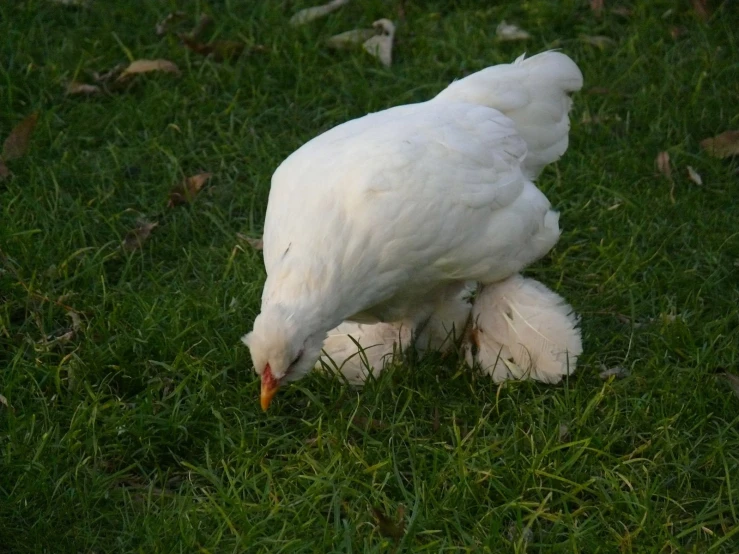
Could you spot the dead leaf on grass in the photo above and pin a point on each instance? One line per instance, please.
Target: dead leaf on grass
(185, 192)
(256, 244)
(76, 320)
(733, 381)
(203, 23)
(694, 176)
(505, 32)
(16, 145)
(663, 164)
(309, 14)
(137, 236)
(724, 145)
(163, 26)
(219, 50)
(700, 7)
(76, 87)
(389, 528)
(597, 7)
(350, 39)
(598, 41)
(147, 66)
(381, 45)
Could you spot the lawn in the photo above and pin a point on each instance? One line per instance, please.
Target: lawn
(129, 416)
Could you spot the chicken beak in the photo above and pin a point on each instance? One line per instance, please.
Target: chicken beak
(270, 385)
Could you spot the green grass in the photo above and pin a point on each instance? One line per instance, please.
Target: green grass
(143, 432)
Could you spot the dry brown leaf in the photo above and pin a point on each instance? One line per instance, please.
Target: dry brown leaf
(597, 7)
(256, 244)
(82, 88)
(388, 528)
(4, 171)
(137, 236)
(203, 23)
(163, 26)
(185, 192)
(505, 32)
(733, 381)
(700, 7)
(76, 320)
(350, 39)
(309, 14)
(381, 45)
(146, 66)
(16, 145)
(663, 164)
(724, 145)
(694, 176)
(219, 50)
(599, 41)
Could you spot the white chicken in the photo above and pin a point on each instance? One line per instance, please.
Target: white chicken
(377, 218)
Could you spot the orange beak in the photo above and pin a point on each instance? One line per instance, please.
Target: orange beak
(270, 385)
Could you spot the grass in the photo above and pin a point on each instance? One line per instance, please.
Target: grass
(143, 431)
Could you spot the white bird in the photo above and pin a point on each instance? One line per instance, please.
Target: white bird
(375, 219)
(521, 329)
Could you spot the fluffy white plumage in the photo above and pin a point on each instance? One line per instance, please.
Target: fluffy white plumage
(521, 329)
(378, 218)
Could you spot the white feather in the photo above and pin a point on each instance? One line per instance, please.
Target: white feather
(521, 329)
(356, 349)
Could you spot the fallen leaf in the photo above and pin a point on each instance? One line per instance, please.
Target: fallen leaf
(163, 26)
(309, 14)
(724, 145)
(203, 23)
(76, 320)
(599, 41)
(146, 66)
(349, 39)
(700, 7)
(219, 50)
(597, 7)
(82, 88)
(388, 528)
(505, 32)
(256, 244)
(137, 236)
(381, 45)
(185, 192)
(663, 164)
(733, 381)
(694, 176)
(16, 145)
(618, 371)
